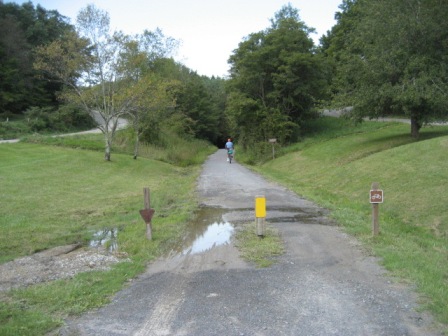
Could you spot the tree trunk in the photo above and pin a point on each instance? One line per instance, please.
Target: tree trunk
(137, 142)
(107, 149)
(107, 155)
(415, 127)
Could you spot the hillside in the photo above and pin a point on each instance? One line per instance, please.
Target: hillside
(336, 170)
(55, 198)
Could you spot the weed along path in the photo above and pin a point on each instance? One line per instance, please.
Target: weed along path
(324, 284)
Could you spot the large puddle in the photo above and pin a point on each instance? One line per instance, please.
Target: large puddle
(214, 235)
(213, 227)
(207, 230)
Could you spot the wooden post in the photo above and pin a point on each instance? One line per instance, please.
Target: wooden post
(147, 200)
(147, 207)
(374, 192)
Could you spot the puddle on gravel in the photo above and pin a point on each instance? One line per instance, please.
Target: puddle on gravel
(105, 238)
(214, 235)
(215, 226)
(207, 230)
(299, 215)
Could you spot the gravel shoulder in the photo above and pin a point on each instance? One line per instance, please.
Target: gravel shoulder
(57, 263)
(325, 284)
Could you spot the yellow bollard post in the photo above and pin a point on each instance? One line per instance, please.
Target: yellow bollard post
(260, 215)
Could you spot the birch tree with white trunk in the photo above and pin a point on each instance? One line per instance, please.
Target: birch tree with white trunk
(93, 63)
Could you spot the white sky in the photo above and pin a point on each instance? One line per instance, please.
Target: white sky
(209, 30)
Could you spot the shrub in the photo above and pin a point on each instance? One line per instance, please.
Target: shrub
(66, 118)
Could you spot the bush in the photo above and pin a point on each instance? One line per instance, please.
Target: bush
(66, 118)
(257, 153)
(12, 129)
(170, 148)
(38, 118)
(74, 116)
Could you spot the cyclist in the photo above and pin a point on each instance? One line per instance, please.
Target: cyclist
(229, 148)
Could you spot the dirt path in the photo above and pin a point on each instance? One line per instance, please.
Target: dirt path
(323, 285)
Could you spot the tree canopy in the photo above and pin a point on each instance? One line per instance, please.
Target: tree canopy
(106, 73)
(383, 57)
(112, 75)
(22, 28)
(391, 58)
(276, 79)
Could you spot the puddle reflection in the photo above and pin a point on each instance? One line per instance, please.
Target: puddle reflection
(105, 237)
(207, 230)
(215, 234)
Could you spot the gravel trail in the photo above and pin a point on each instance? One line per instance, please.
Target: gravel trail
(324, 284)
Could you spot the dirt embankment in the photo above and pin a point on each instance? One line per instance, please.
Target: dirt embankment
(57, 263)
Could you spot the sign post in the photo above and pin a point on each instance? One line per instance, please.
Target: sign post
(260, 215)
(376, 197)
(147, 213)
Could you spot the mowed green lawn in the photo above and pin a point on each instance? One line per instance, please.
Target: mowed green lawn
(52, 196)
(337, 171)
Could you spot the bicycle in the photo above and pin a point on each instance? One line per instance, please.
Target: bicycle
(230, 155)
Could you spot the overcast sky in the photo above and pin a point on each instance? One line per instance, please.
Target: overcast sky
(209, 30)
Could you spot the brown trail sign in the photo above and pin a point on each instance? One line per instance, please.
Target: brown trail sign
(376, 197)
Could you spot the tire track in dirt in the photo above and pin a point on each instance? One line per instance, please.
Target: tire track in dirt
(158, 322)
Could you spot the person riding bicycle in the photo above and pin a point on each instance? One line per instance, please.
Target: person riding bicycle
(229, 148)
(229, 144)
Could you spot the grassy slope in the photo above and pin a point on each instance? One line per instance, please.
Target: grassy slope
(51, 196)
(337, 172)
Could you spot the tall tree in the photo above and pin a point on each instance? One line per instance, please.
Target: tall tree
(103, 72)
(215, 86)
(200, 102)
(276, 80)
(195, 101)
(22, 28)
(137, 59)
(397, 61)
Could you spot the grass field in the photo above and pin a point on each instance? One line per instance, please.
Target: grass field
(336, 167)
(53, 195)
(262, 252)
(60, 193)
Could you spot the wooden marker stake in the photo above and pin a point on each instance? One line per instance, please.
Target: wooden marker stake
(147, 213)
(376, 197)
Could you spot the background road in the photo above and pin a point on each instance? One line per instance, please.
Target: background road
(122, 123)
(323, 285)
